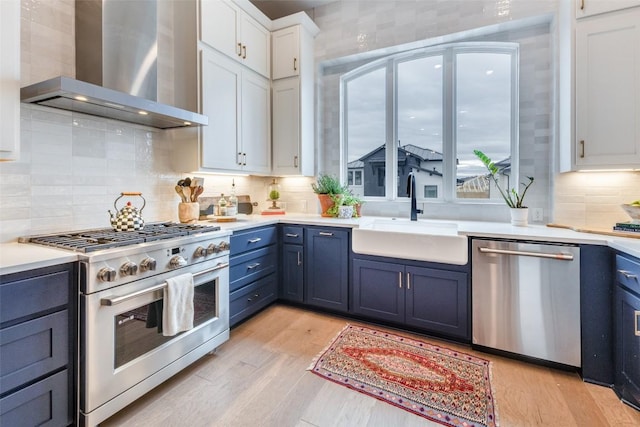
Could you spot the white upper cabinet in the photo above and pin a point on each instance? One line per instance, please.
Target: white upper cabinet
(285, 55)
(293, 113)
(10, 79)
(232, 31)
(237, 102)
(608, 91)
(594, 7)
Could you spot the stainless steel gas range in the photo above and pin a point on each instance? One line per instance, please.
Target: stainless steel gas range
(123, 353)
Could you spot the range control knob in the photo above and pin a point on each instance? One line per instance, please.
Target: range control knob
(147, 264)
(129, 269)
(223, 246)
(200, 252)
(212, 248)
(107, 274)
(177, 261)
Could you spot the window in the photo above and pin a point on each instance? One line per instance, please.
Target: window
(430, 191)
(425, 111)
(354, 177)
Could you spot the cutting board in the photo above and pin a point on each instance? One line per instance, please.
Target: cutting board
(597, 231)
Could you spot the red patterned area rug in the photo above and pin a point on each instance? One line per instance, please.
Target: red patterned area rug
(446, 386)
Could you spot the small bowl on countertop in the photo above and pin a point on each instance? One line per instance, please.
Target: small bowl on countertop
(633, 212)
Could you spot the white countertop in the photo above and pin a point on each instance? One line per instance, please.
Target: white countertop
(15, 257)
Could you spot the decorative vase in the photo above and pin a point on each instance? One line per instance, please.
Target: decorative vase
(357, 210)
(188, 212)
(325, 203)
(345, 212)
(519, 216)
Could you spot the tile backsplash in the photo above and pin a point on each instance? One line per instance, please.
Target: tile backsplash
(593, 199)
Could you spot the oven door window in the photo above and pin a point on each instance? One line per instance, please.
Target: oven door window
(139, 331)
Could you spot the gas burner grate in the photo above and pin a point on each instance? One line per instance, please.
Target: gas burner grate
(95, 240)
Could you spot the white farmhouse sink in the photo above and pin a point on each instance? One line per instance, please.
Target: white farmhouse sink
(419, 240)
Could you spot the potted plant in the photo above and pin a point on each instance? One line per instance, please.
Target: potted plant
(513, 199)
(350, 200)
(325, 187)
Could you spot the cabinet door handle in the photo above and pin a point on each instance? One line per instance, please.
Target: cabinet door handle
(581, 4)
(324, 233)
(252, 266)
(239, 159)
(400, 279)
(408, 281)
(295, 64)
(256, 240)
(295, 161)
(628, 275)
(291, 235)
(239, 49)
(637, 317)
(244, 52)
(299, 259)
(582, 148)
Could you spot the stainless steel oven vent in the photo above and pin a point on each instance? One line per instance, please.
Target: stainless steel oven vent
(116, 67)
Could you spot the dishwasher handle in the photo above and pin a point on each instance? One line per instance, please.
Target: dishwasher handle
(561, 256)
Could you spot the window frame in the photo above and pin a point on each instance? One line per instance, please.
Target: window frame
(449, 148)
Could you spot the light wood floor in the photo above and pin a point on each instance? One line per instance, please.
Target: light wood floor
(259, 378)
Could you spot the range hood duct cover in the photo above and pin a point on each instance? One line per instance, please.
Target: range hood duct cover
(116, 68)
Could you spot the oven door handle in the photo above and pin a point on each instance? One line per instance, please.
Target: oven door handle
(123, 298)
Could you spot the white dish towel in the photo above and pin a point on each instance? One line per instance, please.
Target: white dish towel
(177, 311)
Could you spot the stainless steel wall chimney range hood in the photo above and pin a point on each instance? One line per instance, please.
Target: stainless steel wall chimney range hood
(116, 68)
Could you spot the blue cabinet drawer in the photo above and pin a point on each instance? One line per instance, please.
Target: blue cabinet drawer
(248, 300)
(292, 234)
(628, 273)
(247, 240)
(42, 403)
(33, 295)
(251, 266)
(33, 349)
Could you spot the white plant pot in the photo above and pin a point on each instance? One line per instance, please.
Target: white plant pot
(519, 216)
(345, 212)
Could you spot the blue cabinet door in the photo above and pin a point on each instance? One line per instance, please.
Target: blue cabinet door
(627, 377)
(437, 300)
(292, 284)
(378, 290)
(327, 268)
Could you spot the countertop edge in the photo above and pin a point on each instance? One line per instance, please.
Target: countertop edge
(17, 257)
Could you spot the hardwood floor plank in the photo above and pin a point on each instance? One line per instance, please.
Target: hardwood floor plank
(259, 378)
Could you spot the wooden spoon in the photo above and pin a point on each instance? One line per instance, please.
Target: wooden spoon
(187, 194)
(197, 192)
(180, 193)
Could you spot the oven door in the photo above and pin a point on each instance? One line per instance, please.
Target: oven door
(121, 330)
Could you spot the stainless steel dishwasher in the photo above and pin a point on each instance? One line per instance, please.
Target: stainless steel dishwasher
(526, 299)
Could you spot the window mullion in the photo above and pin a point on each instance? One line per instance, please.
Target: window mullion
(391, 166)
(449, 128)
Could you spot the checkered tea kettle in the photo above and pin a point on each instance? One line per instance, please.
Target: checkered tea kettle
(128, 218)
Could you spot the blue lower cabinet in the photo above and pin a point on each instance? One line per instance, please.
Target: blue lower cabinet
(38, 324)
(247, 301)
(327, 251)
(253, 272)
(378, 291)
(292, 273)
(627, 330)
(430, 299)
(438, 301)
